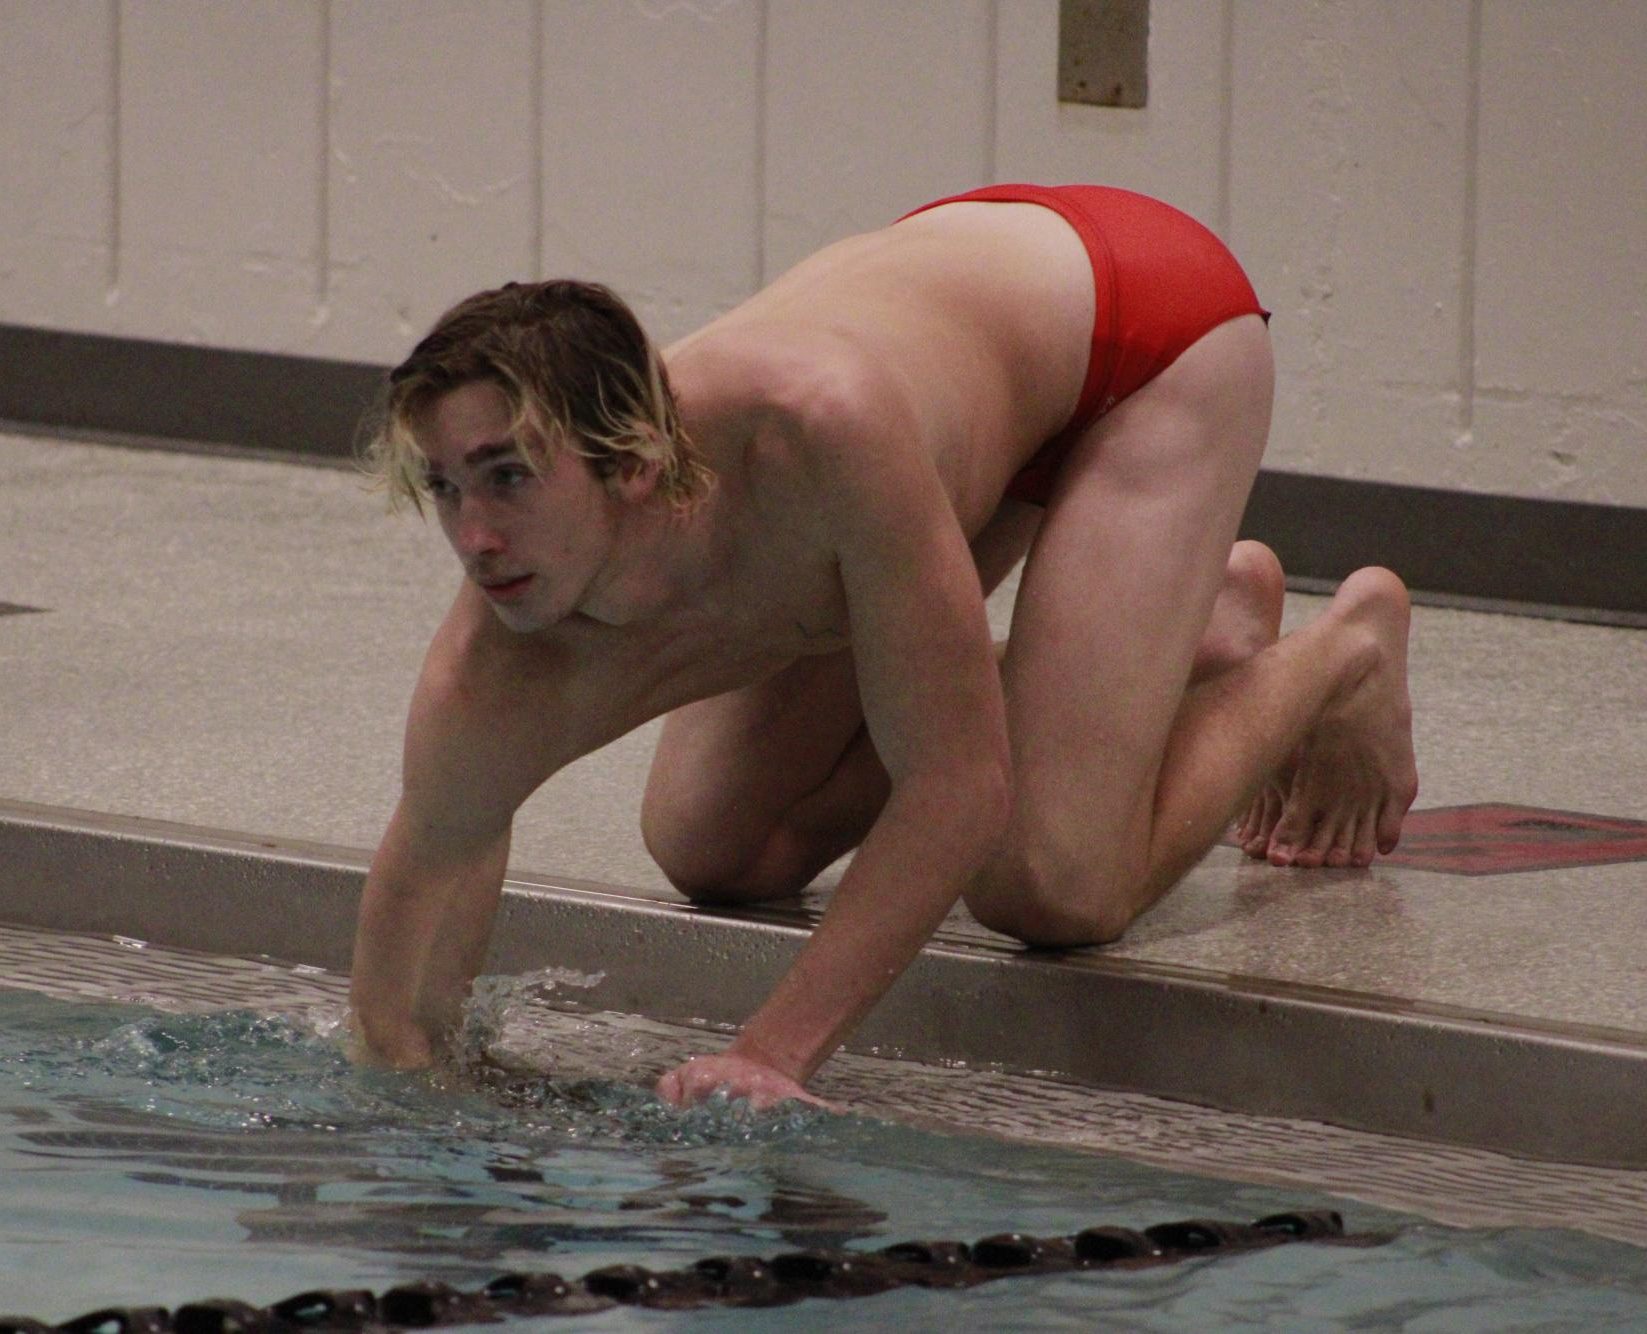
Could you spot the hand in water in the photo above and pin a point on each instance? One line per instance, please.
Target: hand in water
(405, 1047)
(735, 1076)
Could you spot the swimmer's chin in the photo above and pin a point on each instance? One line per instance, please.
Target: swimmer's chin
(517, 624)
(526, 626)
(510, 612)
(527, 622)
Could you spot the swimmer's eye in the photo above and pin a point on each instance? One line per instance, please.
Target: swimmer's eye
(438, 487)
(508, 476)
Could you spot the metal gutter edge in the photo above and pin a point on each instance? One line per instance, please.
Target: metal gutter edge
(1241, 1044)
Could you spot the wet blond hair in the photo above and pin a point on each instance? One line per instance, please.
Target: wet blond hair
(577, 370)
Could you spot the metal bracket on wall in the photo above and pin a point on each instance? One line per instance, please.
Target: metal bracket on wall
(1103, 52)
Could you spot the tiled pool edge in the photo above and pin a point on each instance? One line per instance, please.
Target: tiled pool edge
(1241, 1044)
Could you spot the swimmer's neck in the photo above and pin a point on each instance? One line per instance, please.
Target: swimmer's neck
(665, 565)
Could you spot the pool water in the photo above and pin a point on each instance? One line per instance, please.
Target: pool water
(152, 1158)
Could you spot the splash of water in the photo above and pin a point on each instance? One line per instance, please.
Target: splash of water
(248, 1070)
(497, 999)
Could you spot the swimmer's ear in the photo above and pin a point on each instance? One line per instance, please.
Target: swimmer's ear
(634, 479)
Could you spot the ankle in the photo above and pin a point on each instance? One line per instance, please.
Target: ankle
(1360, 653)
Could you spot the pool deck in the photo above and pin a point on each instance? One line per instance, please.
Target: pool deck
(228, 644)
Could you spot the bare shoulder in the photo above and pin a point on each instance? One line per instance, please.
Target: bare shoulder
(858, 436)
(796, 403)
(757, 368)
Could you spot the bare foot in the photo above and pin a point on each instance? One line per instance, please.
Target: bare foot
(1257, 827)
(1245, 621)
(1356, 774)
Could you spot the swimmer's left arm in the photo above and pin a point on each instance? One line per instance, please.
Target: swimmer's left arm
(932, 700)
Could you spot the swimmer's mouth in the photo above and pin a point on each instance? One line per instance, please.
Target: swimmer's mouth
(506, 590)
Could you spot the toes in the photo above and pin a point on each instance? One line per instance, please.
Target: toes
(1247, 826)
(1260, 824)
(1320, 845)
(1291, 837)
(1361, 851)
(1389, 825)
(1274, 804)
(1337, 854)
(1309, 838)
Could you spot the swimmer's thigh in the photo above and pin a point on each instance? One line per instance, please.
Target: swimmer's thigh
(729, 771)
(1115, 595)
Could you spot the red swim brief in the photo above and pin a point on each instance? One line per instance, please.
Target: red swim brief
(1162, 281)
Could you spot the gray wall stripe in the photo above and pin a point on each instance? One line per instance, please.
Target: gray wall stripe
(1549, 556)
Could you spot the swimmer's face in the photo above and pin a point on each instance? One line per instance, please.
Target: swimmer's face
(533, 541)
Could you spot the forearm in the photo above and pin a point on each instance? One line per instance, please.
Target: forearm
(930, 840)
(425, 921)
(461, 942)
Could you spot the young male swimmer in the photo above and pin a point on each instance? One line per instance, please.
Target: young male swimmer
(780, 533)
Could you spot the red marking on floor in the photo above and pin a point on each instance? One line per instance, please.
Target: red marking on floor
(1497, 839)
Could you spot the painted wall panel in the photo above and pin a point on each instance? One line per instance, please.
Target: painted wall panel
(56, 162)
(651, 158)
(433, 183)
(1349, 199)
(1562, 245)
(1563, 194)
(1546, 444)
(1169, 149)
(222, 144)
(873, 107)
(324, 176)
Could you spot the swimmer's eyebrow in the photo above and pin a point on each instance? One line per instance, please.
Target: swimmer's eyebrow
(479, 456)
(486, 453)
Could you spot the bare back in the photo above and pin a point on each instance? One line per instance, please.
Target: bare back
(981, 312)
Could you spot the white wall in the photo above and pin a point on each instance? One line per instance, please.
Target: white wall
(1444, 201)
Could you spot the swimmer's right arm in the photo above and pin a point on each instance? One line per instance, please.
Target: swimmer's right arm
(434, 886)
(425, 922)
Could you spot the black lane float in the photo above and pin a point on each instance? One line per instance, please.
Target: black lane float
(729, 1281)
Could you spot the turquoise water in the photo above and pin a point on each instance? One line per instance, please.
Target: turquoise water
(157, 1159)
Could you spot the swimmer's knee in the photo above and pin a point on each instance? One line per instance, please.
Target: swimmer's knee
(703, 867)
(1051, 903)
(1050, 924)
(732, 892)
(724, 872)
(730, 885)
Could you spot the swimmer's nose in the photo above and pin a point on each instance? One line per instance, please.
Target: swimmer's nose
(473, 533)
